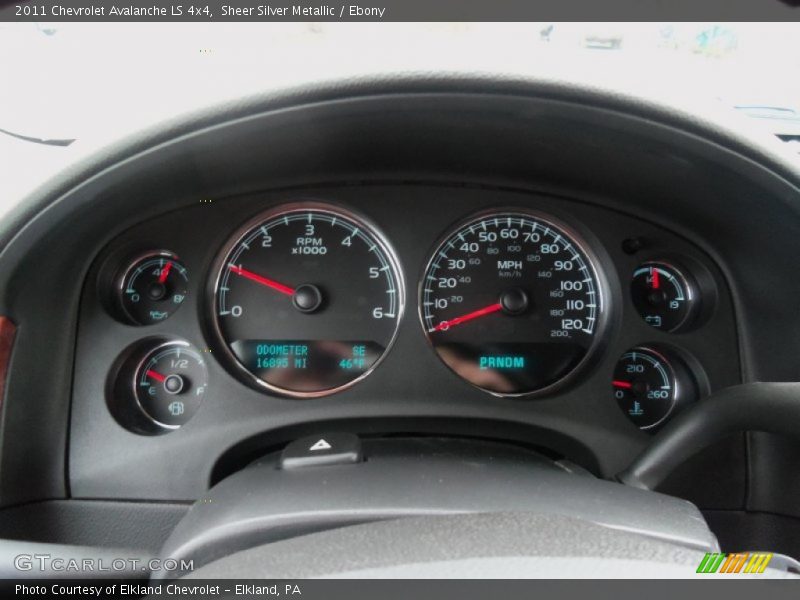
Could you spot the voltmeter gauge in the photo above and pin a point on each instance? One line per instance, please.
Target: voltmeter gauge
(650, 384)
(665, 297)
(152, 287)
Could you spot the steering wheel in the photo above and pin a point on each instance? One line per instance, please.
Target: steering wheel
(434, 507)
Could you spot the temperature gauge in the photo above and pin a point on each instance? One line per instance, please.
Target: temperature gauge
(650, 384)
(152, 288)
(665, 297)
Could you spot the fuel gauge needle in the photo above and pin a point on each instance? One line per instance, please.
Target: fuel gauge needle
(157, 376)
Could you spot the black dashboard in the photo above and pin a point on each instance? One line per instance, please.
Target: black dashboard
(597, 265)
(122, 368)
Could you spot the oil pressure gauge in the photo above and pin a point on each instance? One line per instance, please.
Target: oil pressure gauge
(152, 287)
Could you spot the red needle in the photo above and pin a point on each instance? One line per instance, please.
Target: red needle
(656, 280)
(622, 384)
(165, 273)
(157, 376)
(444, 325)
(283, 289)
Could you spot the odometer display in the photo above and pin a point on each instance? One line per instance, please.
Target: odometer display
(307, 300)
(512, 302)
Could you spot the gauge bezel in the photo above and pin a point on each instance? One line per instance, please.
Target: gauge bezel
(593, 260)
(693, 296)
(232, 242)
(131, 263)
(141, 363)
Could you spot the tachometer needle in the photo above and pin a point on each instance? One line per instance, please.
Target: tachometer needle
(157, 376)
(492, 308)
(279, 287)
(165, 273)
(655, 278)
(622, 384)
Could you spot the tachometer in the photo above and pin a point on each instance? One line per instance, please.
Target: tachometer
(307, 300)
(512, 302)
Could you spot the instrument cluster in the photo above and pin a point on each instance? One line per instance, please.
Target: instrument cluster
(305, 300)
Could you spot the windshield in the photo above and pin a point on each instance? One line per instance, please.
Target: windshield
(93, 82)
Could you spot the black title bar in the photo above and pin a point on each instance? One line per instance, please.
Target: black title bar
(398, 10)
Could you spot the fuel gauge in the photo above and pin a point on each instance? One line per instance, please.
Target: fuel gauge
(157, 385)
(170, 384)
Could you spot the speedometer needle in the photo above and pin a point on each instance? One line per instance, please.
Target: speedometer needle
(622, 384)
(279, 287)
(445, 325)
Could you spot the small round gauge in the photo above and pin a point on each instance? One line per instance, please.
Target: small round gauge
(512, 302)
(153, 287)
(170, 383)
(649, 384)
(664, 296)
(307, 300)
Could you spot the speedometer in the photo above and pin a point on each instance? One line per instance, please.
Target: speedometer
(307, 300)
(512, 302)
